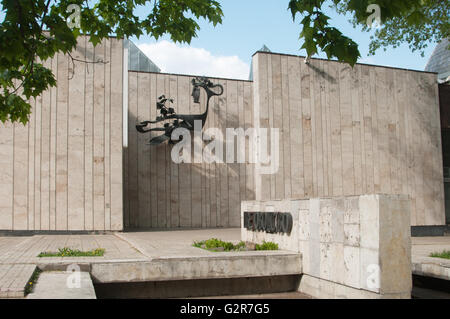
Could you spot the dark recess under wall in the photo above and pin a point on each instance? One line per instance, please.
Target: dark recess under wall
(430, 231)
(197, 288)
(430, 288)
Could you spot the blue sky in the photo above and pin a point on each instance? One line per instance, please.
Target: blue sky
(249, 24)
(226, 50)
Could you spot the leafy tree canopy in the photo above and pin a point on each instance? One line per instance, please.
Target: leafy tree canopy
(416, 22)
(35, 30)
(23, 42)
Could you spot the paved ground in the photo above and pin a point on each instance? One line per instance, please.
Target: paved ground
(171, 256)
(424, 265)
(134, 256)
(18, 255)
(177, 243)
(53, 285)
(14, 250)
(13, 278)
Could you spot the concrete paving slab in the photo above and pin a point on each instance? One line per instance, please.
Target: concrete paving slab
(220, 265)
(168, 254)
(177, 243)
(423, 264)
(26, 249)
(143, 256)
(63, 285)
(14, 278)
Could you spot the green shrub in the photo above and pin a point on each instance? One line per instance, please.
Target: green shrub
(445, 254)
(31, 283)
(198, 244)
(68, 252)
(266, 245)
(215, 244)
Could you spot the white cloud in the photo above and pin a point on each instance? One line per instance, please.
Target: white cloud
(366, 60)
(172, 58)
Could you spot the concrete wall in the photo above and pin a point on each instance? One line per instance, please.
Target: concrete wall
(351, 246)
(63, 170)
(161, 194)
(345, 131)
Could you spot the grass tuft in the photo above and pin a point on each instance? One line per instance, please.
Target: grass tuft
(31, 283)
(68, 252)
(445, 254)
(267, 245)
(217, 245)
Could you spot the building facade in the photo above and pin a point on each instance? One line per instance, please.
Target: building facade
(79, 164)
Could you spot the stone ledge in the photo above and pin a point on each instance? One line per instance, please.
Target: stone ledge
(190, 268)
(14, 278)
(323, 289)
(432, 267)
(53, 285)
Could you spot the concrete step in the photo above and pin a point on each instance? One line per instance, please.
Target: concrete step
(280, 295)
(199, 288)
(63, 285)
(14, 278)
(426, 293)
(217, 266)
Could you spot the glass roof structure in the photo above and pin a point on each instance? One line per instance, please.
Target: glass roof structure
(263, 49)
(137, 60)
(439, 61)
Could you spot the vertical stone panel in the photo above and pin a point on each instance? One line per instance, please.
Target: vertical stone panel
(6, 175)
(89, 139)
(359, 131)
(61, 142)
(20, 174)
(99, 137)
(57, 161)
(75, 146)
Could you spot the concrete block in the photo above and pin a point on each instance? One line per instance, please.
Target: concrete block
(314, 261)
(314, 230)
(344, 292)
(361, 243)
(369, 221)
(352, 210)
(352, 266)
(314, 210)
(310, 285)
(370, 270)
(325, 224)
(338, 266)
(304, 204)
(304, 226)
(304, 248)
(395, 245)
(54, 285)
(337, 225)
(341, 292)
(323, 289)
(326, 289)
(352, 235)
(326, 261)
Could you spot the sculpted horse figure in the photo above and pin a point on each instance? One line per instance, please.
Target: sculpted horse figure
(171, 120)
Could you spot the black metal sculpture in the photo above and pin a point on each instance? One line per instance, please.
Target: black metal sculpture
(167, 113)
